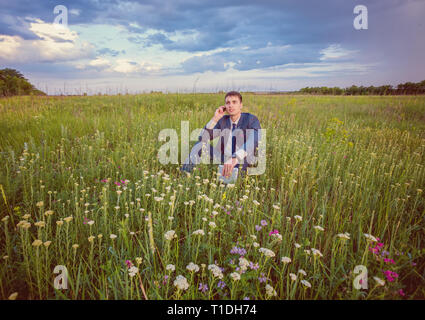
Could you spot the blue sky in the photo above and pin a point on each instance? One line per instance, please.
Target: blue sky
(185, 45)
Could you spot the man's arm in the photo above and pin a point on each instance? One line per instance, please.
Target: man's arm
(210, 131)
(252, 139)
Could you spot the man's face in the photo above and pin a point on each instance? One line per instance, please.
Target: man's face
(233, 105)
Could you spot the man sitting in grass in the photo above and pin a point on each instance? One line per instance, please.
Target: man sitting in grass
(242, 127)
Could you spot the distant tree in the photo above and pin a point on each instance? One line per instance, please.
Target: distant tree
(13, 83)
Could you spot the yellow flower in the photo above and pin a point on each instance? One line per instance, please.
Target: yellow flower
(47, 243)
(23, 224)
(68, 219)
(48, 212)
(40, 224)
(139, 260)
(26, 216)
(40, 204)
(37, 243)
(59, 222)
(13, 296)
(91, 238)
(75, 246)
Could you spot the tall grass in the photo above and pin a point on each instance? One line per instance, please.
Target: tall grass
(81, 187)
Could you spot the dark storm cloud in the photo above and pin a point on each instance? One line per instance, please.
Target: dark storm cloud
(394, 38)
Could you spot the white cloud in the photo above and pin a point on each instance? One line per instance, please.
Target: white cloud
(335, 51)
(120, 66)
(56, 43)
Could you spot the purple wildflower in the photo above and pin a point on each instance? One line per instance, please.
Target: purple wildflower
(221, 284)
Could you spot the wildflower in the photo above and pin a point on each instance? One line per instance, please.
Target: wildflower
(276, 207)
(293, 276)
(243, 263)
(203, 287)
(239, 251)
(401, 292)
(13, 296)
(48, 213)
(192, 267)
(263, 223)
(298, 218)
(198, 232)
(139, 260)
(316, 252)
(302, 272)
(273, 232)
(221, 284)
(170, 235)
(256, 203)
(68, 219)
(307, 251)
(99, 236)
(270, 292)
(262, 278)
(345, 235)
(132, 271)
(75, 246)
(181, 283)
(47, 243)
(235, 276)
(370, 237)
(297, 245)
(267, 252)
(379, 281)
(286, 260)
(40, 224)
(212, 224)
(389, 261)
(37, 243)
(59, 222)
(253, 266)
(390, 275)
(170, 267)
(318, 228)
(113, 236)
(255, 244)
(23, 224)
(26, 216)
(216, 271)
(306, 283)
(91, 238)
(40, 204)
(258, 228)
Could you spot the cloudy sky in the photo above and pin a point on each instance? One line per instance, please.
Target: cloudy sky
(185, 45)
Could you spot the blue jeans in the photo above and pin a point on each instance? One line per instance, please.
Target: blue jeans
(194, 157)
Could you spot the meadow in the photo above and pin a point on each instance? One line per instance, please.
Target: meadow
(81, 187)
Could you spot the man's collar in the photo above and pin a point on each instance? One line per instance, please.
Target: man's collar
(237, 121)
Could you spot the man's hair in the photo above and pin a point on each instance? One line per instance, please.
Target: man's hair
(233, 93)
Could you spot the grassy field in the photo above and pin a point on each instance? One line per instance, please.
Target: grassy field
(81, 187)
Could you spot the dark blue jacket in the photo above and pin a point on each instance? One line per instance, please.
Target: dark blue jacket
(250, 137)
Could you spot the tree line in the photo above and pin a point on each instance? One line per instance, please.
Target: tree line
(401, 89)
(13, 83)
